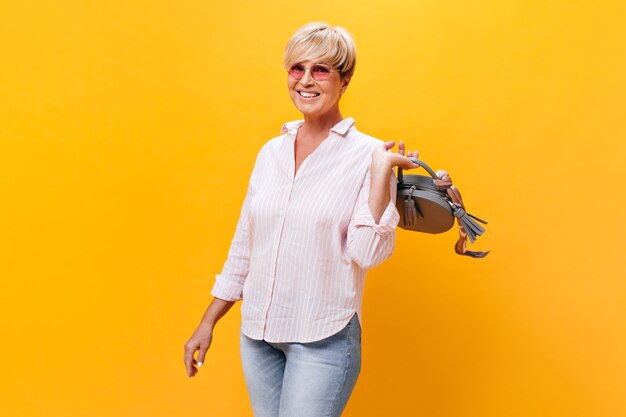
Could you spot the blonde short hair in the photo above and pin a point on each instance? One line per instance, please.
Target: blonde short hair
(333, 45)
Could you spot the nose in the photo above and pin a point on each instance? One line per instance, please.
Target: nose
(307, 78)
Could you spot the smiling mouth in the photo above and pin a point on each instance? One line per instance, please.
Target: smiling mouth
(308, 95)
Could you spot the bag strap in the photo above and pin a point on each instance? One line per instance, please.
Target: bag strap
(468, 228)
(423, 165)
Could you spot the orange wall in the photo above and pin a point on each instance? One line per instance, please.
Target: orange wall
(128, 130)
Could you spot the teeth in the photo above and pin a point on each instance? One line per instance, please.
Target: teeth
(308, 95)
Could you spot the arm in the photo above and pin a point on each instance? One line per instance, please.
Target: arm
(371, 233)
(215, 311)
(371, 238)
(382, 188)
(227, 288)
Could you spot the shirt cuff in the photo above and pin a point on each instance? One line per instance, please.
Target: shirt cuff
(388, 221)
(226, 289)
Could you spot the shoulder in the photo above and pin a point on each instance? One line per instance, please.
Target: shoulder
(271, 149)
(271, 144)
(363, 141)
(288, 129)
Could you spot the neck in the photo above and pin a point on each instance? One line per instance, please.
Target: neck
(316, 125)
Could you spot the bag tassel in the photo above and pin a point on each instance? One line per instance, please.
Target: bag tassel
(410, 210)
(466, 221)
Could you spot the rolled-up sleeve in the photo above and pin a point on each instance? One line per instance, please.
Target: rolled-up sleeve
(370, 243)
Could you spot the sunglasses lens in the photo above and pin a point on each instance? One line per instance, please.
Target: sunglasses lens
(320, 72)
(296, 71)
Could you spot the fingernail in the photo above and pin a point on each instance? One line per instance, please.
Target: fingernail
(199, 364)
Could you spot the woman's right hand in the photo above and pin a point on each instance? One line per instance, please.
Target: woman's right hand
(199, 341)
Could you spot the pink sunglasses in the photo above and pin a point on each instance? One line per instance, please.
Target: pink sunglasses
(319, 72)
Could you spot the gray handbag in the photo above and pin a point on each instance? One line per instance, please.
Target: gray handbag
(426, 207)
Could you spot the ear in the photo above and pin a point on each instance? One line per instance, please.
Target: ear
(344, 84)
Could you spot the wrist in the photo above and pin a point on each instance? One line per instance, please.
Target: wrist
(381, 162)
(381, 170)
(209, 319)
(207, 324)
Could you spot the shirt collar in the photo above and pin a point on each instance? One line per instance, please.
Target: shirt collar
(342, 127)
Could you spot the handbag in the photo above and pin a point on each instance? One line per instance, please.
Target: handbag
(430, 204)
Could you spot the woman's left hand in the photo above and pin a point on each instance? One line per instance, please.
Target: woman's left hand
(382, 158)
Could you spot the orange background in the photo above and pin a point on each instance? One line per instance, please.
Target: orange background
(128, 131)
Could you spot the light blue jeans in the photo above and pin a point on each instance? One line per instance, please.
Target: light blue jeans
(302, 379)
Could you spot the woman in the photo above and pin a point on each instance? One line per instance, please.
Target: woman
(318, 213)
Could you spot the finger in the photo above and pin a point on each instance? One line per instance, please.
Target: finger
(202, 354)
(401, 148)
(389, 144)
(404, 162)
(412, 165)
(189, 360)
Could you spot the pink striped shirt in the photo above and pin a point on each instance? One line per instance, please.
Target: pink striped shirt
(303, 243)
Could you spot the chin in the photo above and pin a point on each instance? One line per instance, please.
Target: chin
(307, 111)
(311, 113)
